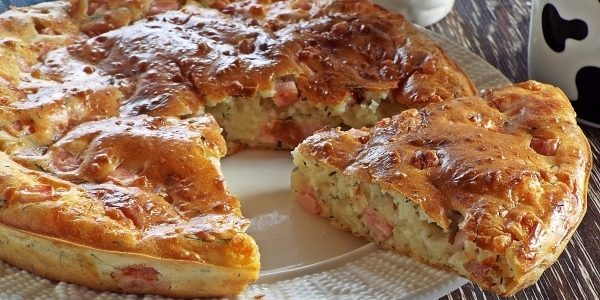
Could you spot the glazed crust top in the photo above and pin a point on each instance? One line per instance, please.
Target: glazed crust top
(74, 168)
(147, 185)
(514, 165)
(174, 63)
(101, 108)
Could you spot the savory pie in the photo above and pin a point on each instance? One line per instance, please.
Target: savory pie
(491, 188)
(109, 137)
(134, 205)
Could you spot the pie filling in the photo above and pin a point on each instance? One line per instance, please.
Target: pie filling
(490, 188)
(394, 222)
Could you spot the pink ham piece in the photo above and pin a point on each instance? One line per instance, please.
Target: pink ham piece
(459, 240)
(122, 176)
(308, 200)
(286, 94)
(65, 161)
(545, 146)
(139, 279)
(29, 194)
(376, 224)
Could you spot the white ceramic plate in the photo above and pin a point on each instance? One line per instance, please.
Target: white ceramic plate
(302, 256)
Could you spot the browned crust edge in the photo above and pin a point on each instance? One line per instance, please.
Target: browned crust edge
(61, 260)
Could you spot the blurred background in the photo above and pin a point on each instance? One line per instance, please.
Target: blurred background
(497, 30)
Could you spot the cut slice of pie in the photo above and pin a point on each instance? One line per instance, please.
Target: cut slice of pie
(491, 188)
(145, 210)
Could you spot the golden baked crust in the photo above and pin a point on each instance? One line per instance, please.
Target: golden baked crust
(312, 62)
(507, 175)
(118, 271)
(145, 185)
(106, 147)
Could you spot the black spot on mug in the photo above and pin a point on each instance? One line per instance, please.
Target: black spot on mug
(557, 30)
(564, 50)
(587, 104)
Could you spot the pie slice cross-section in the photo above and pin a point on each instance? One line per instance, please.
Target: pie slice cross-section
(491, 188)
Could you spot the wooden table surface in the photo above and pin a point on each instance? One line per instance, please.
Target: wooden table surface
(498, 30)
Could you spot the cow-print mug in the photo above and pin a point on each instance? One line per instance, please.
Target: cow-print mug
(564, 50)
